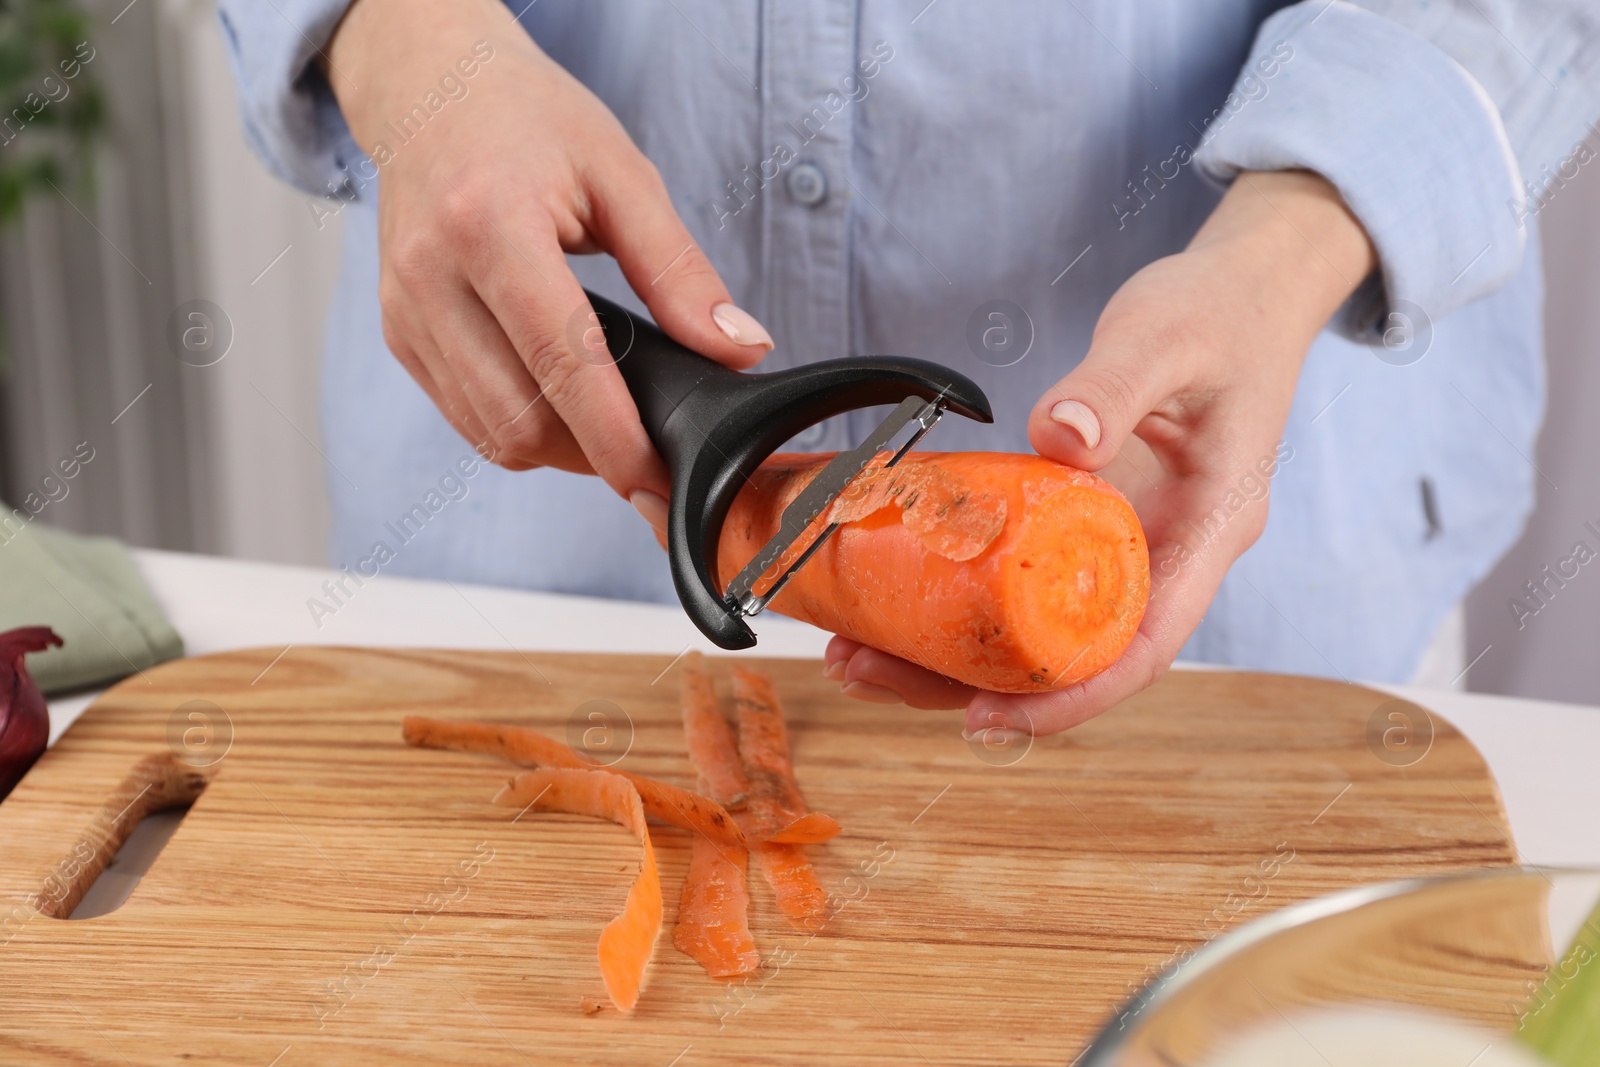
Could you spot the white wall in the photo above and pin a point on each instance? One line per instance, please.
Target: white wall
(1555, 654)
(267, 497)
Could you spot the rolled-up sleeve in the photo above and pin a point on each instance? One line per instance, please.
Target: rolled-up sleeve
(290, 115)
(1442, 125)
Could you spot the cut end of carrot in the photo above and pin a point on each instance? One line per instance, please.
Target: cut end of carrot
(1077, 578)
(628, 941)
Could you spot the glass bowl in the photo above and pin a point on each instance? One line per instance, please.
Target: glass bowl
(1477, 970)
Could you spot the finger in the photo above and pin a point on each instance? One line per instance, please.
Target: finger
(1085, 419)
(883, 679)
(634, 220)
(525, 429)
(1049, 713)
(837, 656)
(1184, 579)
(441, 386)
(429, 292)
(654, 510)
(522, 278)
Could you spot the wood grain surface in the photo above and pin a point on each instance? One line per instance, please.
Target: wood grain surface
(334, 897)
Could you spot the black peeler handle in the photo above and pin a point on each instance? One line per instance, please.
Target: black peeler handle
(714, 426)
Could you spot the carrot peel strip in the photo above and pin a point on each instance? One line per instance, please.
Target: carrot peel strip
(794, 885)
(714, 912)
(517, 744)
(948, 514)
(754, 775)
(709, 738)
(772, 802)
(529, 748)
(812, 828)
(629, 940)
(716, 755)
(713, 925)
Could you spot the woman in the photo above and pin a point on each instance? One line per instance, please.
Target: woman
(1192, 246)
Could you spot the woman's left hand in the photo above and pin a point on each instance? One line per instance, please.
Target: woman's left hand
(1182, 397)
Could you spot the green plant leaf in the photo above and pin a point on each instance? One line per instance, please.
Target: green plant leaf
(36, 37)
(1562, 1023)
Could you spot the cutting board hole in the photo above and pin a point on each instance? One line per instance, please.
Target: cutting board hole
(112, 887)
(123, 839)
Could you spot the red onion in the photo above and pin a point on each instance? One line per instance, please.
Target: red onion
(24, 719)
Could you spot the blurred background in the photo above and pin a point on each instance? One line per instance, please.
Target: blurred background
(163, 298)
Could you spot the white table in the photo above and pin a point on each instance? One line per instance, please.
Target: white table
(1542, 754)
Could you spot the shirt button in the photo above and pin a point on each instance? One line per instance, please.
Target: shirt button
(807, 184)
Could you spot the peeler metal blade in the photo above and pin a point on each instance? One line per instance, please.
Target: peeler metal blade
(818, 496)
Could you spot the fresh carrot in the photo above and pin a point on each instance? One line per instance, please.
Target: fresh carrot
(629, 940)
(529, 748)
(1009, 572)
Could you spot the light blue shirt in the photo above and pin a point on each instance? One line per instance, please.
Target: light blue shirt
(873, 176)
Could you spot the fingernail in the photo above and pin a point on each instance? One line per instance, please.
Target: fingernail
(872, 694)
(1080, 418)
(650, 505)
(994, 735)
(834, 672)
(740, 326)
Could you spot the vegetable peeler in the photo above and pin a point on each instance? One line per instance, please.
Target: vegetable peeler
(714, 426)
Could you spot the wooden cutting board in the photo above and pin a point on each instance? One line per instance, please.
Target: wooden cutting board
(334, 897)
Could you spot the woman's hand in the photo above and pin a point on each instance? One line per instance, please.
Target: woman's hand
(1182, 397)
(478, 202)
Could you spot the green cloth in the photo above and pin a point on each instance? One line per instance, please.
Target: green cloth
(88, 590)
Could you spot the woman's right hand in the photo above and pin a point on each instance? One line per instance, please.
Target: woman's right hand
(476, 209)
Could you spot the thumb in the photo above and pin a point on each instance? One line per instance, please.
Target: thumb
(634, 220)
(1085, 418)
